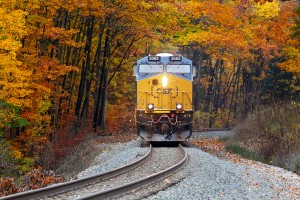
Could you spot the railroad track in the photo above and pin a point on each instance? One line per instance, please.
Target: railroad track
(210, 129)
(51, 191)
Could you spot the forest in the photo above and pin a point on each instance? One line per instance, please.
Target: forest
(66, 66)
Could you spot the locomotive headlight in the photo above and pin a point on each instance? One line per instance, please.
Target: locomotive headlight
(150, 106)
(179, 106)
(164, 81)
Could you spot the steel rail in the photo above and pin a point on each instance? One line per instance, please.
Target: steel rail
(210, 129)
(62, 187)
(117, 191)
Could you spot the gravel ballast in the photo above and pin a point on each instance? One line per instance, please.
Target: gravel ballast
(208, 177)
(114, 156)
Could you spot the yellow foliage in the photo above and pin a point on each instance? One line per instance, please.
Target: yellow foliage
(12, 24)
(201, 119)
(16, 153)
(14, 82)
(267, 9)
(44, 106)
(292, 64)
(18, 84)
(222, 117)
(291, 52)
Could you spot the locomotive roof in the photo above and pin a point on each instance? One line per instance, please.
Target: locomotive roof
(164, 54)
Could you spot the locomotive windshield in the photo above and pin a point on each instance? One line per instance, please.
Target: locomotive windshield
(182, 69)
(147, 68)
(150, 66)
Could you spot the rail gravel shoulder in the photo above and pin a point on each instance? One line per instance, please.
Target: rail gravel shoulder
(62, 187)
(117, 191)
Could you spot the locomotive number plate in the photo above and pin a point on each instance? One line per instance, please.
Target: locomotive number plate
(175, 58)
(153, 58)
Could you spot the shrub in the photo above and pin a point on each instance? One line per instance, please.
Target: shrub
(220, 120)
(25, 164)
(274, 134)
(7, 164)
(120, 118)
(36, 178)
(245, 153)
(7, 186)
(290, 161)
(223, 119)
(200, 120)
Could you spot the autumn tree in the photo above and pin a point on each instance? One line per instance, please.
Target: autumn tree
(25, 78)
(235, 45)
(15, 81)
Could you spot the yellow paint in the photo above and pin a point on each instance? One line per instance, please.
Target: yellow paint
(178, 90)
(158, 111)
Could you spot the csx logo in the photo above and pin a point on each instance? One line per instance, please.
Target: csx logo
(164, 90)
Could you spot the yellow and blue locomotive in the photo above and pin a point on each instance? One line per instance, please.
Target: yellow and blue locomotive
(164, 110)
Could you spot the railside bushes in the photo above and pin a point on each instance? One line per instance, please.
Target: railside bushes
(274, 134)
(7, 164)
(244, 152)
(222, 119)
(200, 120)
(36, 178)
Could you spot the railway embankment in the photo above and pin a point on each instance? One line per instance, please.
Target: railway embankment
(262, 181)
(211, 172)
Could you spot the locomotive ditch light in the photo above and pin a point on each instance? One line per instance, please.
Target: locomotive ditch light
(150, 106)
(178, 106)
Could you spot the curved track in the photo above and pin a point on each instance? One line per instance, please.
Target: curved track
(117, 191)
(59, 188)
(63, 188)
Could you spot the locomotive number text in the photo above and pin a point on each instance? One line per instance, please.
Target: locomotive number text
(153, 58)
(175, 58)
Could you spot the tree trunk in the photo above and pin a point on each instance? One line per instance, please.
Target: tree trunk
(237, 89)
(99, 72)
(89, 72)
(214, 94)
(81, 88)
(198, 58)
(102, 110)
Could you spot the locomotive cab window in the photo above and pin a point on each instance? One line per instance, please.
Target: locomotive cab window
(148, 68)
(180, 69)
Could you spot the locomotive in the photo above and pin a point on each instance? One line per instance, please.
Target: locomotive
(164, 107)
